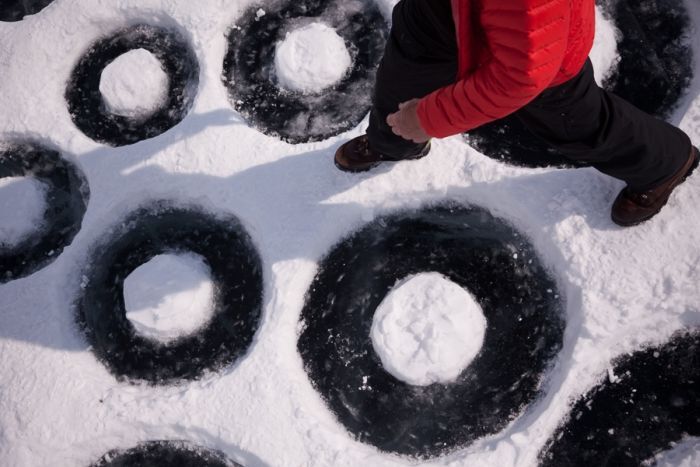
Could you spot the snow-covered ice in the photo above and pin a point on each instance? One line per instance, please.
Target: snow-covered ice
(311, 58)
(427, 330)
(134, 84)
(22, 204)
(624, 289)
(169, 297)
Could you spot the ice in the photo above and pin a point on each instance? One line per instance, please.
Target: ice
(134, 84)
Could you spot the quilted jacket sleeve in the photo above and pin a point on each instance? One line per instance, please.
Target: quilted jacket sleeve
(526, 41)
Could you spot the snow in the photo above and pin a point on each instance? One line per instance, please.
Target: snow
(604, 54)
(311, 58)
(21, 208)
(170, 296)
(427, 330)
(134, 84)
(623, 288)
(684, 454)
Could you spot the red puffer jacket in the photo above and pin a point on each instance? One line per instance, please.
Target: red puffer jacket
(509, 52)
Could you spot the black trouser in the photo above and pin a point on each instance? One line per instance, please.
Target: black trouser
(582, 121)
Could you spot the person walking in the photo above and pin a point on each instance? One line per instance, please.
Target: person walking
(453, 65)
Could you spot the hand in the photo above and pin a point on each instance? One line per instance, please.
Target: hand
(405, 122)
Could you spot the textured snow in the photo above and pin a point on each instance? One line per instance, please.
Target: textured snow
(427, 330)
(134, 84)
(311, 58)
(170, 296)
(21, 208)
(624, 288)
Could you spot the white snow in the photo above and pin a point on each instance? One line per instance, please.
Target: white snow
(311, 58)
(170, 296)
(684, 454)
(427, 330)
(134, 84)
(59, 406)
(22, 207)
(604, 55)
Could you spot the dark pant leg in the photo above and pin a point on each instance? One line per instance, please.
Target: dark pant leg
(420, 57)
(594, 127)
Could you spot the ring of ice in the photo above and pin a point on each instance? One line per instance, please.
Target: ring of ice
(427, 330)
(170, 296)
(646, 404)
(115, 92)
(221, 337)
(134, 85)
(165, 454)
(300, 70)
(53, 201)
(472, 250)
(311, 58)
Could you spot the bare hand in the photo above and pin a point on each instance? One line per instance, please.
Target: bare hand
(405, 122)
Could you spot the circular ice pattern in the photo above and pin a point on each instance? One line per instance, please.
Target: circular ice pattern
(480, 253)
(164, 229)
(295, 116)
(87, 105)
(165, 454)
(66, 201)
(650, 403)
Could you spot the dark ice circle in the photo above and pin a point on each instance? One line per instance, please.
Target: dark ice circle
(86, 103)
(655, 69)
(165, 454)
(66, 202)
(295, 117)
(653, 404)
(475, 250)
(16, 10)
(236, 272)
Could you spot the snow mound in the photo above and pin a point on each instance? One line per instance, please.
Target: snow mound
(311, 59)
(427, 330)
(170, 296)
(134, 84)
(21, 208)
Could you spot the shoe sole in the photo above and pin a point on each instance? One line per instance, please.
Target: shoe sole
(690, 171)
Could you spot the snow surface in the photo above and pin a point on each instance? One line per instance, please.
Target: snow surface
(22, 207)
(311, 58)
(134, 84)
(684, 454)
(170, 296)
(624, 288)
(427, 330)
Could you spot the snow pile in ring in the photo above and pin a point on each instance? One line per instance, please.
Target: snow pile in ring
(21, 208)
(170, 296)
(311, 59)
(427, 330)
(134, 84)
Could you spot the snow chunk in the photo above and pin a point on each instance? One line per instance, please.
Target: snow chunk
(170, 296)
(22, 205)
(134, 84)
(311, 59)
(427, 330)
(604, 54)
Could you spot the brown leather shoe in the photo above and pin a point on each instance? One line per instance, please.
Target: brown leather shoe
(356, 155)
(632, 208)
